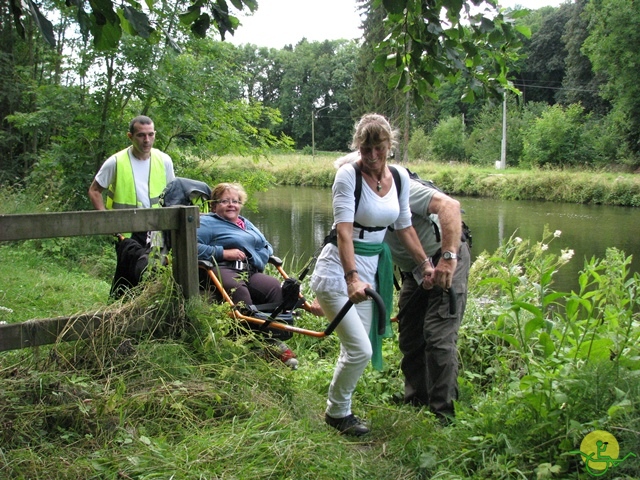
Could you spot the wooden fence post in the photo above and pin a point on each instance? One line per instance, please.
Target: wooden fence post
(185, 252)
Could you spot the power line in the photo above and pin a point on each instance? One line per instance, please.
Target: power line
(527, 85)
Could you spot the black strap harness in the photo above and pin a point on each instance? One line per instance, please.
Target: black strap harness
(358, 192)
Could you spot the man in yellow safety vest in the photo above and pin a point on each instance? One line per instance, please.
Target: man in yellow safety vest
(134, 177)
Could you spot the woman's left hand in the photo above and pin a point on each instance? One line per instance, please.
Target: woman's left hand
(428, 280)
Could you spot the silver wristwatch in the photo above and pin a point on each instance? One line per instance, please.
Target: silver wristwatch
(449, 256)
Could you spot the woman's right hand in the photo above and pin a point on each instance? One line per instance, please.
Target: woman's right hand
(234, 255)
(355, 291)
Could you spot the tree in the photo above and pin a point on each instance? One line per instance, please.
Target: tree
(554, 139)
(580, 83)
(613, 47)
(432, 40)
(107, 20)
(317, 80)
(371, 92)
(61, 133)
(540, 78)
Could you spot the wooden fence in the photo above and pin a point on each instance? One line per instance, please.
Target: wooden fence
(182, 221)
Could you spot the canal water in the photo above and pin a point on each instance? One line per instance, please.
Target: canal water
(296, 219)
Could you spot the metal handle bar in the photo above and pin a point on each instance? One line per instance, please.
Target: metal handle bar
(382, 313)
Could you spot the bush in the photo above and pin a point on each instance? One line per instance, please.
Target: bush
(419, 145)
(447, 140)
(484, 145)
(555, 139)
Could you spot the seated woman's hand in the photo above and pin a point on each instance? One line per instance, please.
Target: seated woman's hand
(233, 255)
(315, 308)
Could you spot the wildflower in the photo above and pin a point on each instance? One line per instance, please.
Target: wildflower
(566, 255)
(517, 240)
(557, 233)
(544, 247)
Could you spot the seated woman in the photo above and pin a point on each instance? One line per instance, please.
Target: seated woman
(238, 249)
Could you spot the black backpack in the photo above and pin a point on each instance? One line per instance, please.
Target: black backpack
(185, 191)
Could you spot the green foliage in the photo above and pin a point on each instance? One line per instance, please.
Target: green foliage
(611, 47)
(419, 145)
(315, 81)
(427, 43)
(562, 137)
(484, 144)
(539, 75)
(558, 358)
(107, 22)
(202, 113)
(554, 137)
(447, 140)
(534, 336)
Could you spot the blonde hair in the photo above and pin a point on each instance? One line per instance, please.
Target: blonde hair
(372, 130)
(219, 189)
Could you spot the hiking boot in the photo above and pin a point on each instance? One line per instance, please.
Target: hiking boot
(349, 425)
(445, 420)
(281, 351)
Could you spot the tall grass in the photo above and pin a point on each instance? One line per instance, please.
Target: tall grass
(190, 399)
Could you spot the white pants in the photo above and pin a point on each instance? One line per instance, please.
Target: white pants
(355, 349)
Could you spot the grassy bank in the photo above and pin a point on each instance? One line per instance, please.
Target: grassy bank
(192, 401)
(568, 186)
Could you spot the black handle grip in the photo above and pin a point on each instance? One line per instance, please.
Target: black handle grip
(453, 301)
(382, 313)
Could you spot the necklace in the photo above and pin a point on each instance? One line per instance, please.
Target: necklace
(378, 180)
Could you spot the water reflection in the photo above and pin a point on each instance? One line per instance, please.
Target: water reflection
(296, 220)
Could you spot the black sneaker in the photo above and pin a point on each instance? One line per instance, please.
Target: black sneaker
(349, 425)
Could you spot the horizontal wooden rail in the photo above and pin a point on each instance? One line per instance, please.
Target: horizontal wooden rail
(103, 222)
(182, 221)
(34, 333)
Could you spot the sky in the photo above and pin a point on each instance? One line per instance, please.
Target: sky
(285, 22)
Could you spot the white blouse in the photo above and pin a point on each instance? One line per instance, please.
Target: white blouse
(373, 211)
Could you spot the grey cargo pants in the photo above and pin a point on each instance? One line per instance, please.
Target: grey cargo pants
(428, 333)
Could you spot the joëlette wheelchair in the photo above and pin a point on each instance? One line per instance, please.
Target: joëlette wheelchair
(276, 321)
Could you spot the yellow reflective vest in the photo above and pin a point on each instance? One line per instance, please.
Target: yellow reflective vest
(122, 190)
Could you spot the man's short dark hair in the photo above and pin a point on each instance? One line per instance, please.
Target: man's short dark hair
(141, 119)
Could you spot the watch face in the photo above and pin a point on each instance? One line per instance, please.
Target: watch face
(449, 255)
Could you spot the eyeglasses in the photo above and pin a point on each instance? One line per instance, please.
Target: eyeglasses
(227, 201)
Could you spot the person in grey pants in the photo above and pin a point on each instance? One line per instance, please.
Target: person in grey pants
(429, 319)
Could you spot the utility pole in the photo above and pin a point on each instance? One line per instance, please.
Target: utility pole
(313, 133)
(314, 111)
(503, 150)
